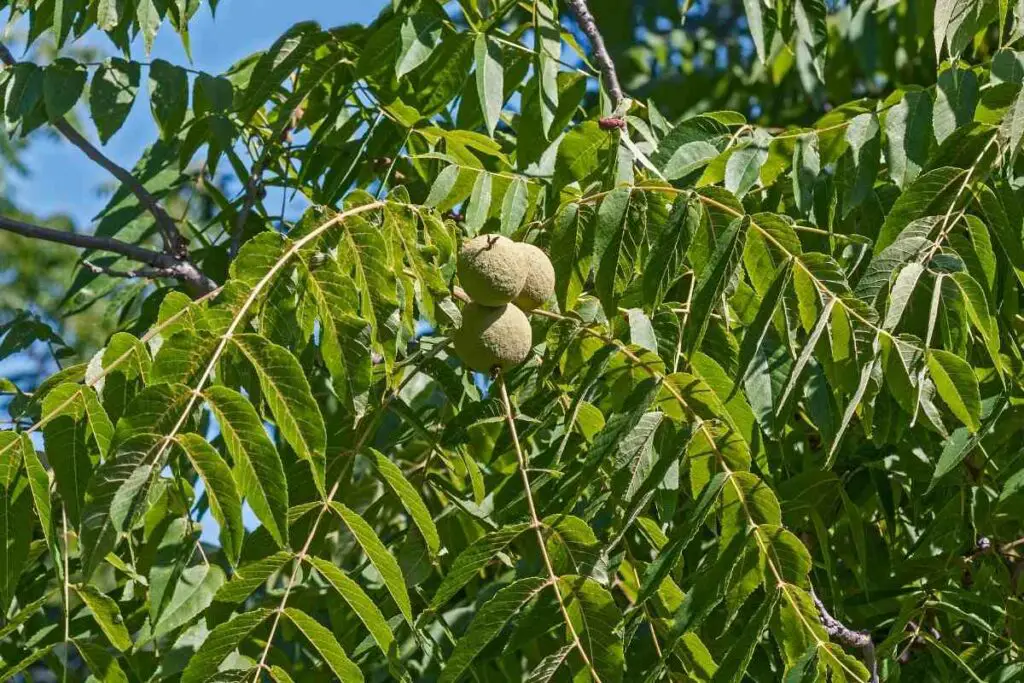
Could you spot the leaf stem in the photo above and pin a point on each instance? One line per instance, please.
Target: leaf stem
(537, 526)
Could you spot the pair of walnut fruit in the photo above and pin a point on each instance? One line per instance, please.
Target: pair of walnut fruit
(503, 279)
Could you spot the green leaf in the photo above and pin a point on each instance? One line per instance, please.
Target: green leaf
(248, 577)
(859, 166)
(63, 83)
(107, 615)
(479, 206)
(18, 667)
(379, 557)
(689, 146)
(806, 169)
(470, 561)
(548, 668)
(291, 401)
(571, 246)
(666, 258)
(221, 642)
(744, 165)
(759, 32)
(952, 26)
(149, 18)
(899, 295)
(360, 603)
(419, 35)
(258, 468)
(321, 638)
(68, 456)
(115, 495)
(597, 621)
(80, 403)
(39, 483)
(617, 235)
(112, 94)
(812, 29)
(806, 352)
(225, 503)
(410, 498)
(168, 85)
(549, 51)
(363, 251)
(908, 136)
(581, 153)
(345, 341)
(754, 335)
(956, 96)
(680, 539)
(708, 589)
(15, 523)
(108, 14)
(805, 669)
(955, 381)
(490, 80)
(732, 667)
(514, 206)
(929, 195)
(24, 90)
(911, 243)
(712, 281)
(442, 187)
(981, 317)
(747, 499)
(184, 357)
(193, 593)
(101, 662)
(488, 623)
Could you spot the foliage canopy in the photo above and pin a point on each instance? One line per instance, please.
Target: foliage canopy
(770, 429)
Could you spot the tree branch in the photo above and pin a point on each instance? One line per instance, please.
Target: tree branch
(131, 273)
(848, 637)
(174, 242)
(166, 265)
(604, 60)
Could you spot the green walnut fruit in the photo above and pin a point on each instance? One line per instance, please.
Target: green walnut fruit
(540, 277)
(491, 270)
(493, 337)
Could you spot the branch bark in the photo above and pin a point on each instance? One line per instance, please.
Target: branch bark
(847, 636)
(167, 265)
(604, 60)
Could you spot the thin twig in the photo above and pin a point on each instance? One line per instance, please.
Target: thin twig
(537, 526)
(604, 60)
(131, 273)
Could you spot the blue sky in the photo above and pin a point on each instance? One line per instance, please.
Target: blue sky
(62, 180)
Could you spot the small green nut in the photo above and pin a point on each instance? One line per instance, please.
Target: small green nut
(540, 277)
(493, 337)
(490, 270)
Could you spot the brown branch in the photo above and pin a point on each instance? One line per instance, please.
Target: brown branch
(847, 636)
(166, 265)
(604, 60)
(174, 242)
(131, 273)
